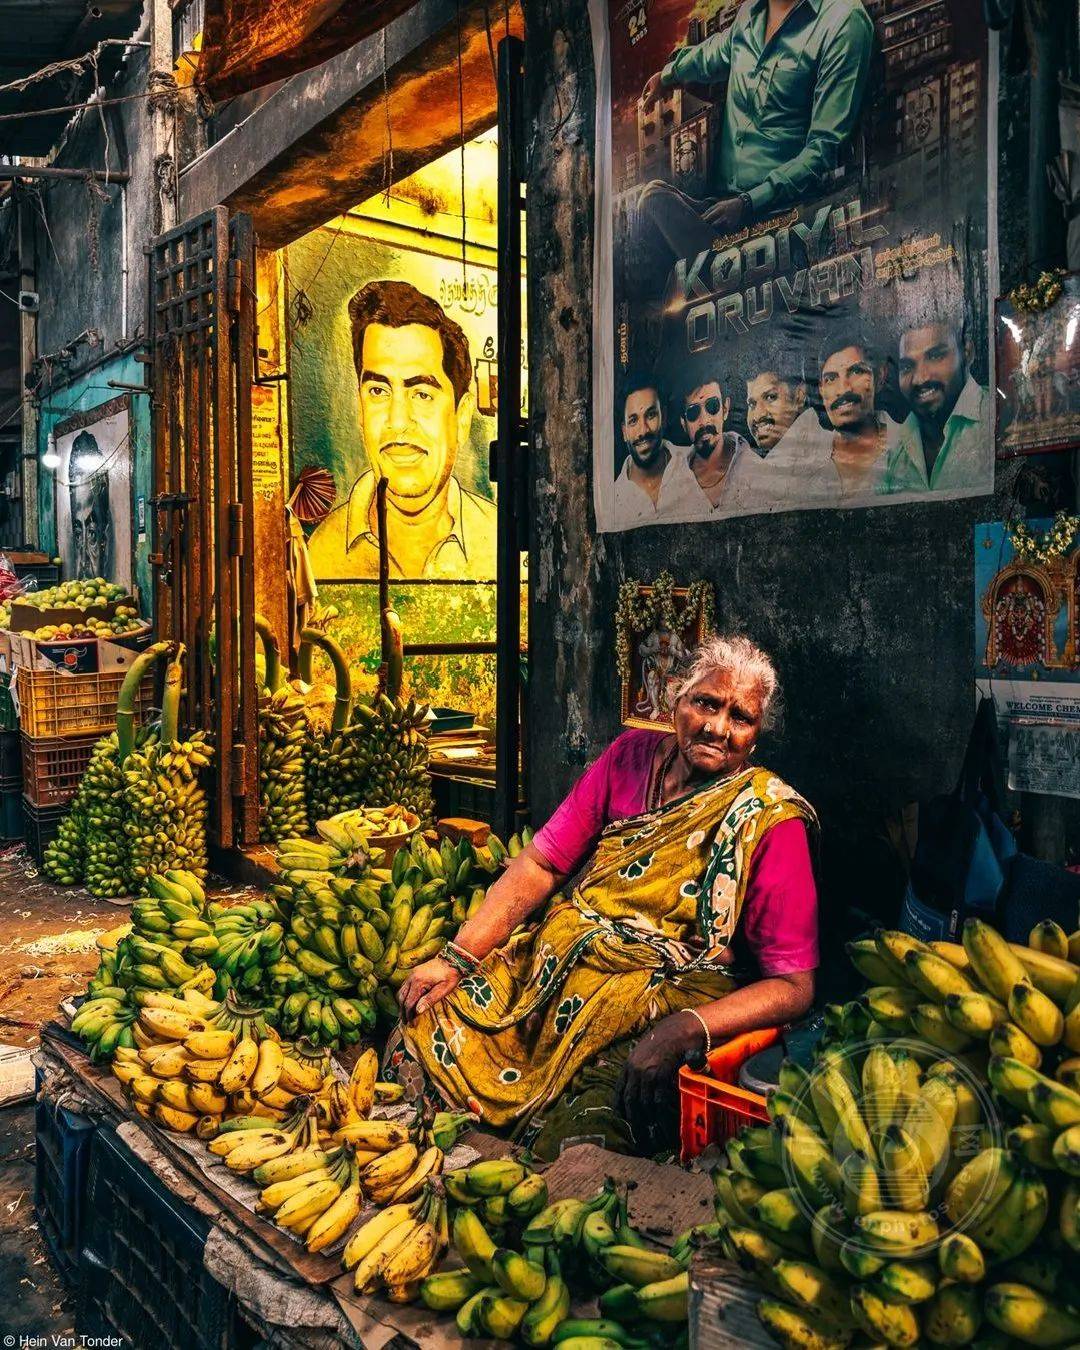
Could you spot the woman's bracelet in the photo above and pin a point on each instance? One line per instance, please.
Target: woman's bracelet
(704, 1026)
(464, 962)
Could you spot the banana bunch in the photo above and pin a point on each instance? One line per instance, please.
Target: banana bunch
(165, 807)
(379, 760)
(879, 1203)
(283, 730)
(243, 944)
(352, 941)
(105, 1022)
(395, 1251)
(522, 1294)
(91, 845)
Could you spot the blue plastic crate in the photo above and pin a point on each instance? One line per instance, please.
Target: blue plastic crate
(61, 1160)
(141, 1273)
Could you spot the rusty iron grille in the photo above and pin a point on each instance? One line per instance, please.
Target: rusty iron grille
(202, 325)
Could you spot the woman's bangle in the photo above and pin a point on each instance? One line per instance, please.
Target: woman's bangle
(464, 962)
(704, 1026)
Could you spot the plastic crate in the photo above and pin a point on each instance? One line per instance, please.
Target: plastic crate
(40, 826)
(10, 758)
(43, 575)
(141, 1273)
(52, 767)
(53, 704)
(8, 720)
(12, 826)
(463, 797)
(712, 1107)
(61, 1159)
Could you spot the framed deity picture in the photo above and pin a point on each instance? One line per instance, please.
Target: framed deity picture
(1038, 374)
(658, 628)
(93, 493)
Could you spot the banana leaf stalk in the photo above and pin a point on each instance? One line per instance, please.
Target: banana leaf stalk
(311, 638)
(125, 706)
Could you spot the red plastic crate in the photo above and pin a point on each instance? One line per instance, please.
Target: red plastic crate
(52, 767)
(712, 1106)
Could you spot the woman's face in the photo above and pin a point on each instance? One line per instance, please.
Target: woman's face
(717, 723)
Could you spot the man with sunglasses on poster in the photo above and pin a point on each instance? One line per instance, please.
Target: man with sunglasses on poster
(796, 72)
(713, 472)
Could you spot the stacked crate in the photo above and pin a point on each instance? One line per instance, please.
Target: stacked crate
(11, 817)
(62, 717)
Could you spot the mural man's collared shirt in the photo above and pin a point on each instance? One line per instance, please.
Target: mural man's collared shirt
(344, 546)
(792, 102)
(964, 458)
(633, 505)
(686, 498)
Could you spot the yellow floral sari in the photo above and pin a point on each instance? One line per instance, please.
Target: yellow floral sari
(643, 936)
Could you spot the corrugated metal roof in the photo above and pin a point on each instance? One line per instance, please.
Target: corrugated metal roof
(36, 33)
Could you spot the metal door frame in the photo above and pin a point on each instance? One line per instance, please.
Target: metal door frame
(202, 335)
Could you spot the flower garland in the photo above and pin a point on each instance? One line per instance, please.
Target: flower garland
(1028, 299)
(1040, 548)
(638, 612)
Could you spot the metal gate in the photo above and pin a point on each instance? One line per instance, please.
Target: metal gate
(202, 332)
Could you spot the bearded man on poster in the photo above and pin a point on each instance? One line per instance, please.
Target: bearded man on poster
(712, 474)
(796, 72)
(945, 440)
(416, 408)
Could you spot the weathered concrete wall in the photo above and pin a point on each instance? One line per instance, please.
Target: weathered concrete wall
(79, 245)
(868, 613)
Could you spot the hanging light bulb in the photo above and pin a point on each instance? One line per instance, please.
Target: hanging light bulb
(50, 459)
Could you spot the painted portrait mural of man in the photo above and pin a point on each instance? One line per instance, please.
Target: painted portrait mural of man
(91, 515)
(414, 375)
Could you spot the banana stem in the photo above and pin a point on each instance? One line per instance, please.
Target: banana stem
(393, 653)
(170, 700)
(311, 637)
(125, 705)
(271, 653)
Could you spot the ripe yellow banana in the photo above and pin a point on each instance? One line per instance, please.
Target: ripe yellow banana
(290, 1165)
(304, 1208)
(212, 1044)
(993, 961)
(204, 1070)
(905, 1176)
(414, 1257)
(961, 1258)
(274, 1196)
(953, 1315)
(811, 1288)
(240, 1066)
(267, 1071)
(883, 1320)
(181, 1121)
(381, 1135)
(371, 1234)
(362, 1082)
(799, 1329)
(299, 1077)
(1037, 1016)
(898, 1232)
(1030, 1316)
(170, 1024)
(1051, 938)
(368, 1270)
(338, 1216)
(428, 1165)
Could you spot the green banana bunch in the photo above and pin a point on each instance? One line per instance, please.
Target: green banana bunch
(283, 730)
(165, 817)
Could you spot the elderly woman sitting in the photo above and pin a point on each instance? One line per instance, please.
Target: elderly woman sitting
(694, 919)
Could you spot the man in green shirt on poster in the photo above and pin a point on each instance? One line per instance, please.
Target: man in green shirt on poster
(944, 444)
(796, 72)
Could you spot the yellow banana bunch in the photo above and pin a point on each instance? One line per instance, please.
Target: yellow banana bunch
(399, 1248)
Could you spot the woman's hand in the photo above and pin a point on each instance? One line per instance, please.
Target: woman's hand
(648, 1087)
(427, 985)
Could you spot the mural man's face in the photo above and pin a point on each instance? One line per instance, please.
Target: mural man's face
(849, 388)
(932, 370)
(412, 423)
(704, 412)
(772, 404)
(91, 528)
(643, 427)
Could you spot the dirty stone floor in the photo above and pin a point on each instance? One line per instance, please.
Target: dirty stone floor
(46, 953)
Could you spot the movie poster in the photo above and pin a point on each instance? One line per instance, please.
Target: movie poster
(93, 493)
(792, 257)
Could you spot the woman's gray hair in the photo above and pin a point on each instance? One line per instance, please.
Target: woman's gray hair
(745, 662)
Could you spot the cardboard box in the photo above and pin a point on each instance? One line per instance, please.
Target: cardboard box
(78, 656)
